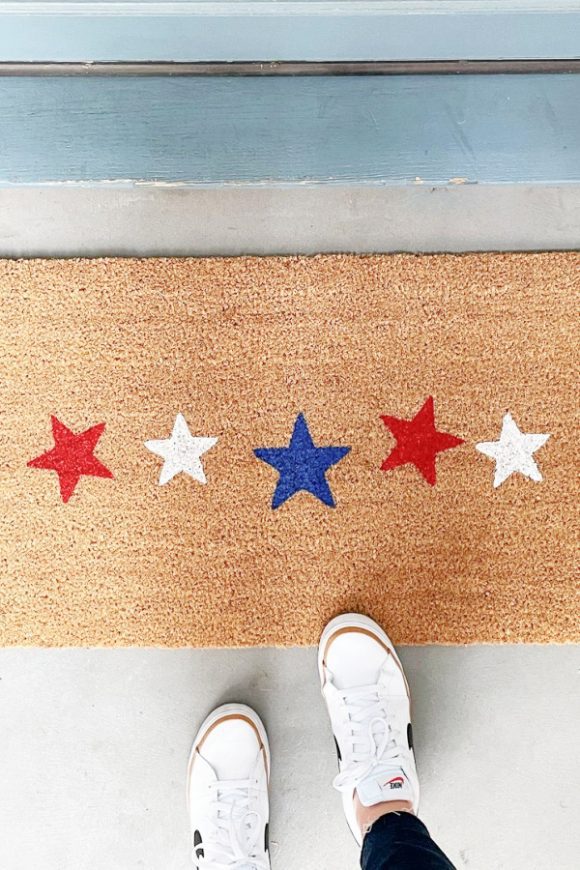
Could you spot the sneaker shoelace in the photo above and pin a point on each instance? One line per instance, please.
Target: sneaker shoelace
(237, 829)
(376, 746)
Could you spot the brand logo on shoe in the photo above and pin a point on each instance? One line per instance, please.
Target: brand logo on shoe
(395, 782)
(197, 845)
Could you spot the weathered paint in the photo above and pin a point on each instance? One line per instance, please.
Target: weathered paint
(317, 30)
(354, 130)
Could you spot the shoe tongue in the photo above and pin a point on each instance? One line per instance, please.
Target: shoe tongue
(379, 787)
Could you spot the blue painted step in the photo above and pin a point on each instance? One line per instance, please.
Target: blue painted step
(266, 30)
(401, 130)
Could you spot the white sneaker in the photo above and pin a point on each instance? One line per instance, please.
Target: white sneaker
(368, 700)
(227, 791)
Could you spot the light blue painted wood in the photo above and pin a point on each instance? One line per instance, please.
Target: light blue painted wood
(310, 30)
(361, 130)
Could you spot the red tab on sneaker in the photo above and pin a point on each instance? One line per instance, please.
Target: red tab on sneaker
(393, 786)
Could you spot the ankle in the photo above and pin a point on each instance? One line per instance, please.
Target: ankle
(367, 816)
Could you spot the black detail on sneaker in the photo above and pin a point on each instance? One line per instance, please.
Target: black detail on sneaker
(267, 837)
(337, 749)
(410, 735)
(197, 841)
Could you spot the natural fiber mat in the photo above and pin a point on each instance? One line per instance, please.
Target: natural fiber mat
(389, 434)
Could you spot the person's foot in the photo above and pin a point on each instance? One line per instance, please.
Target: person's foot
(368, 701)
(227, 791)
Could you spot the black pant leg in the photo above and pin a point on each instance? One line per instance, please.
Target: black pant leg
(400, 841)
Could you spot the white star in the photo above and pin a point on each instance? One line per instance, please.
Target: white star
(181, 452)
(513, 452)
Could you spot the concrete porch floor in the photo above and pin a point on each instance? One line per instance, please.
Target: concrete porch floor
(95, 743)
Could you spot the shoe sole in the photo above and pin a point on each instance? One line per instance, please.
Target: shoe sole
(225, 711)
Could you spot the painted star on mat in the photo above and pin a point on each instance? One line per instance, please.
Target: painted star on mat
(72, 456)
(302, 465)
(181, 452)
(418, 442)
(513, 452)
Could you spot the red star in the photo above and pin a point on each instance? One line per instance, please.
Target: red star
(72, 456)
(418, 442)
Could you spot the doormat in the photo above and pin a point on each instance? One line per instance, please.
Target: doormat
(222, 452)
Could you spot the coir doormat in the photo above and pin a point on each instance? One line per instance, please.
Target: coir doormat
(232, 451)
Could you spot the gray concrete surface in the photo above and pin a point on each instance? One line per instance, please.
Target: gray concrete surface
(94, 746)
(157, 220)
(93, 743)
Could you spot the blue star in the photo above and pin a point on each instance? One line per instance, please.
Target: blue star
(301, 465)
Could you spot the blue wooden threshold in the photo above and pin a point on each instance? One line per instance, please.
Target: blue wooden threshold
(291, 30)
(196, 131)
